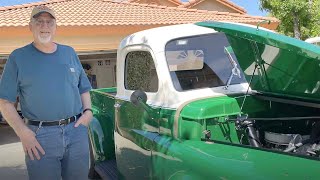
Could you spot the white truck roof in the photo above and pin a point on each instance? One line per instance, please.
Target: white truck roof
(313, 40)
(155, 40)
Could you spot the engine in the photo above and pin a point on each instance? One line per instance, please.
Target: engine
(292, 136)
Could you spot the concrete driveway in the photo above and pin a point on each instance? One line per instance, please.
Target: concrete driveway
(12, 165)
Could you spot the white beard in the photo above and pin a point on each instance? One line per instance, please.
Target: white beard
(44, 40)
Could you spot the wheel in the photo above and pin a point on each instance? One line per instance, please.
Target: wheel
(92, 173)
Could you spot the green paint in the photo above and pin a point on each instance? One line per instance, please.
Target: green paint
(210, 108)
(201, 160)
(143, 141)
(102, 126)
(290, 68)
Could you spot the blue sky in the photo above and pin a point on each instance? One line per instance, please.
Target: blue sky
(252, 6)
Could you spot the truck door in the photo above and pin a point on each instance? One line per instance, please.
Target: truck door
(135, 128)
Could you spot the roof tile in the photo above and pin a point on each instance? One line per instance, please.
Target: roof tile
(107, 12)
(191, 10)
(223, 13)
(10, 7)
(162, 7)
(193, 3)
(234, 5)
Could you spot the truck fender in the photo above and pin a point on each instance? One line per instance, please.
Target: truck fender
(96, 137)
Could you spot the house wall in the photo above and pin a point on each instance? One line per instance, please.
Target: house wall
(86, 38)
(102, 40)
(213, 5)
(105, 72)
(102, 71)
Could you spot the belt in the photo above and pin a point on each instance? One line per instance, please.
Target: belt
(54, 123)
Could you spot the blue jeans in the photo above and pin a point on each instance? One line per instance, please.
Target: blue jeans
(66, 153)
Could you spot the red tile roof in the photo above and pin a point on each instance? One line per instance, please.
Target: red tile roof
(193, 3)
(176, 2)
(107, 12)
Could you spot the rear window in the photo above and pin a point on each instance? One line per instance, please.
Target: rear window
(203, 61)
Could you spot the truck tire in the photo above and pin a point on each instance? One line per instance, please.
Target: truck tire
(92, 173)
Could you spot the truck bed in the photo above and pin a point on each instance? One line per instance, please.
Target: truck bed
(108, 91)
(102, 100)
(101, 131)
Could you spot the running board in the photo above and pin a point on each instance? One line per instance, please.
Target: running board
(107, 169)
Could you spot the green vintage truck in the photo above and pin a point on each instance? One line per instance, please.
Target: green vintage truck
(210, 100)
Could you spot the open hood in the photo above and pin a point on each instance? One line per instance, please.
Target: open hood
(279, 64)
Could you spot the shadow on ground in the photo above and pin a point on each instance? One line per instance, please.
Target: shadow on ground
(7, 135)
(12, 165)
(17, 173)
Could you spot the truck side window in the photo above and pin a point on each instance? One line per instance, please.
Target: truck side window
(140, 72)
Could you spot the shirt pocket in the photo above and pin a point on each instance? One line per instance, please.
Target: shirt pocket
(73, 74)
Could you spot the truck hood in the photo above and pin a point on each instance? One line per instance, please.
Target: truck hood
(277, 64)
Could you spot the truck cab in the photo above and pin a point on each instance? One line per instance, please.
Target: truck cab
(209, 100)
(314, 40)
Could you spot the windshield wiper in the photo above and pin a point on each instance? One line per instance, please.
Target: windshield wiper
(235, 70)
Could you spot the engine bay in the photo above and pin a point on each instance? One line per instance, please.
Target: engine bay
(299, 135)
(271, 125)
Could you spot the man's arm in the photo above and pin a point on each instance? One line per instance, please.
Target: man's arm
(86, 116)
(26, 135)
(11, 115)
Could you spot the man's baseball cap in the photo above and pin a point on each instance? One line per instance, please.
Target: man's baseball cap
(41, 9)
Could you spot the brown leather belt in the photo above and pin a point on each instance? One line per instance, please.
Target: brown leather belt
(54, 123)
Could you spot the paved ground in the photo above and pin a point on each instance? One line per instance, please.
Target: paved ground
(12, 164)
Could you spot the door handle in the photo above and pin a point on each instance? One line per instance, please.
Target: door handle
(117, 107)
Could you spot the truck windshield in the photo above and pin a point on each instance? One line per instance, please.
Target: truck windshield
(203, 61)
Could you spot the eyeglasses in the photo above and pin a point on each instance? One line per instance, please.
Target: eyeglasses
(41, 22)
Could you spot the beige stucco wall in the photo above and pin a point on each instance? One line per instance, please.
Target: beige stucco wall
(213, 5)
(90, 38)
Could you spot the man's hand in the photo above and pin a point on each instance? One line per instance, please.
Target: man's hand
(30, 144)
(84, 119)
(28, 139)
